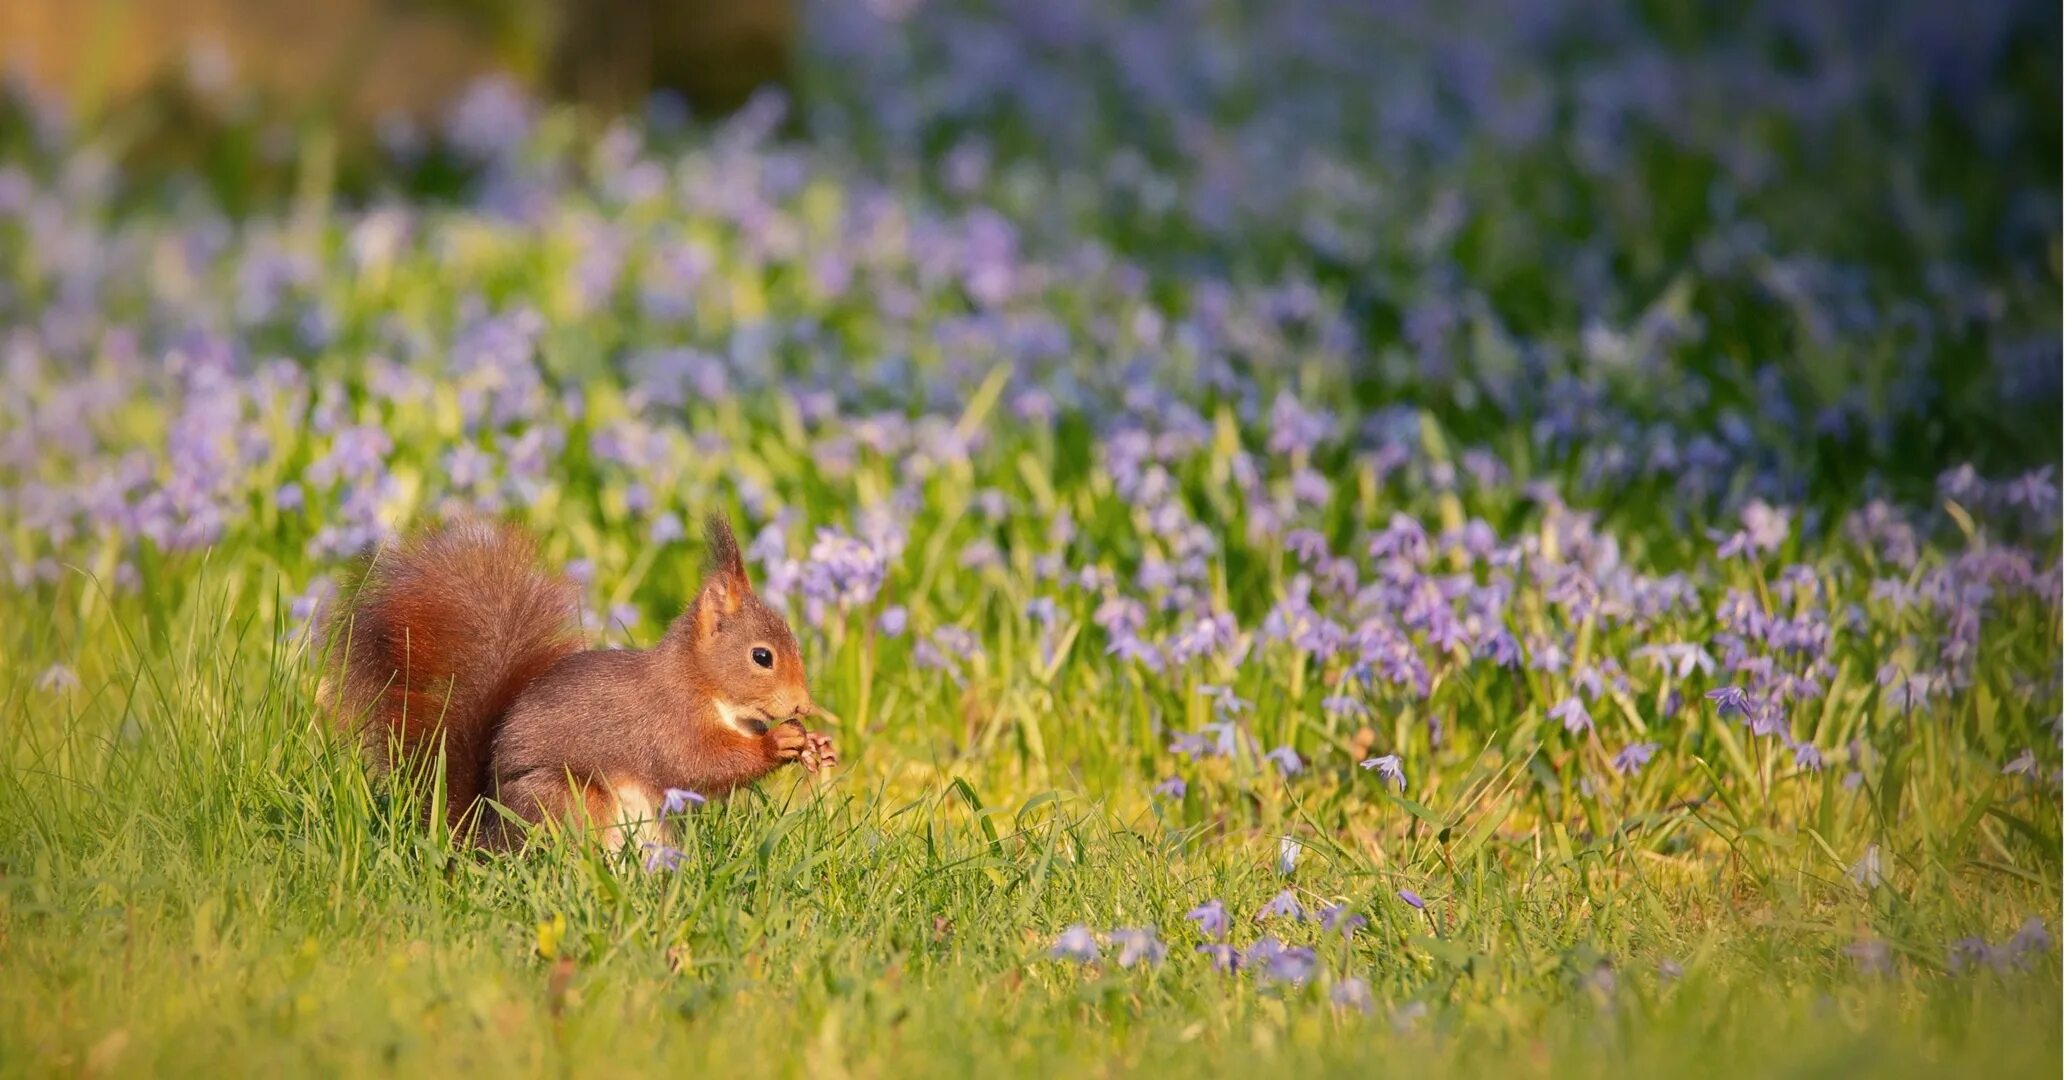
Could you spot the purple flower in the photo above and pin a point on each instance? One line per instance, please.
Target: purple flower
(1972, 952)
(893, 620)
(1413, 899)
(662, 857)
(1632, 758)
(1282, 906)
(1873, 956)
(1341, 705)
(1262, 951)
(2031, 937)
(1765, 528)
(681, 800)
(1225, 958)
(1806, 756)
(1729, 699)
(1075, 943)
(666, 529)
(1350, 993)
(1573, 715)
(1139, 946)
(1388, 766)
(2024, 764)
(1286, 759)
(1171, 788)
(1212, 919)
(1339, 917)
(1295, 965)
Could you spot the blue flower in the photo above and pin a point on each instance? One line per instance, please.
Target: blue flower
(1286, 759)
(1388, 766)
(1339, 918)
(1212, 918)
(680, 800)
(662, 857)
(1350, 993)
(1282, 906)
(1295, 965)
(1632, 758)
(1413, 899)
(1224, 957)
(1139, 946)
(1573, 714)
(1075, 943)
(1171, 788)
(1729, 699)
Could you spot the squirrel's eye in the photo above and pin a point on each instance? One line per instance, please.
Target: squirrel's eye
(763, 657)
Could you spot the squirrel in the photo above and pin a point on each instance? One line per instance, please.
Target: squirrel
(458, 634)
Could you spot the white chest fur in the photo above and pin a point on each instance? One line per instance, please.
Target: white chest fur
(638, 816)
(732, 716)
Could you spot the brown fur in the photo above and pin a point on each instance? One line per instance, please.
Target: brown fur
(459, 634)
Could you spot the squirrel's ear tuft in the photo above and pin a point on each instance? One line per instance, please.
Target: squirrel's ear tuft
(723, 547)
(725, 587)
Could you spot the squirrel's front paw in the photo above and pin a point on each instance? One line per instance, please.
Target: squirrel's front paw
(818, 752)
(787, 741)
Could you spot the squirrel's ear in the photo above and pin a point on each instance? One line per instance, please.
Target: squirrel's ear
(725, 587)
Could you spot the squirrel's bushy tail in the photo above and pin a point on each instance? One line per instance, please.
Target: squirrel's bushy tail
(443, 633)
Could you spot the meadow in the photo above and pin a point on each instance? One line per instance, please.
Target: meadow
(1333, 539)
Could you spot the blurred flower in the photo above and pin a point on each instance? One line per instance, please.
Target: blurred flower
(1212, 919)
(1286, 759)
(680, 800)
(1288, 855)
(1632, 758)
(1075, 943)
(1293, 964)
(1867, 871)
(662, 857)
(1872, 955)
(57, 679)
(1413, 899)
(1138, 946)
(1225, 958)
(1339, 918)
(1285, 905)
(1171, 787)
(1573, 715)
(1350, 992)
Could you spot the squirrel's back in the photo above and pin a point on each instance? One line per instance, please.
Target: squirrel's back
(442, 635)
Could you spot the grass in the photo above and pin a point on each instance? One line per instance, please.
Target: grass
(196, 876)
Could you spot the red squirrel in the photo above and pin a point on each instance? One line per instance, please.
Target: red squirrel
(459, 634)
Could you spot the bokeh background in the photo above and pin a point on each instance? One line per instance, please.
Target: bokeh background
(1636, 149)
